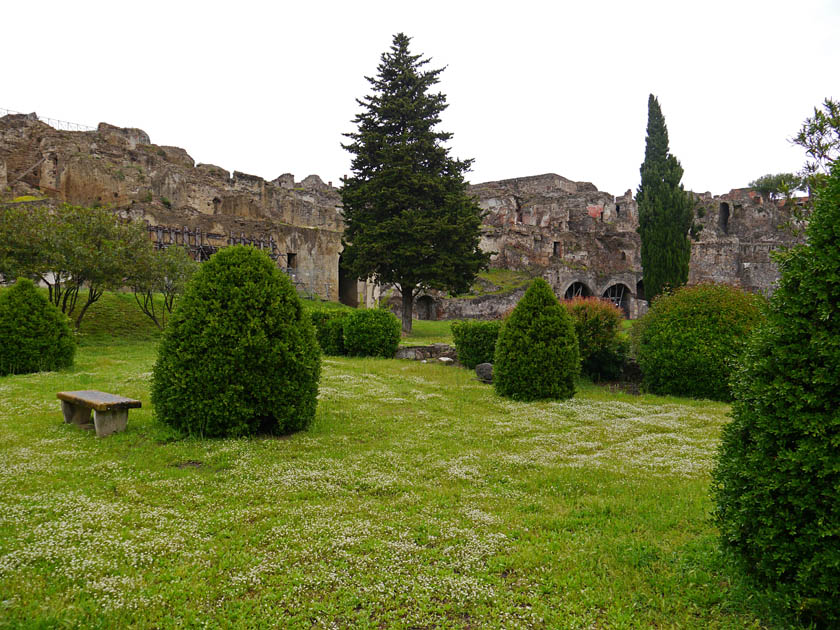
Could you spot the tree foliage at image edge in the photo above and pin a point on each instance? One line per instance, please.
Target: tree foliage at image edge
(777, 480)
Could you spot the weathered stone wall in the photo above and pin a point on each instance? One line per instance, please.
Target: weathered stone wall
(740, 229)
(121, 169)
(581, 240)
(577, 237)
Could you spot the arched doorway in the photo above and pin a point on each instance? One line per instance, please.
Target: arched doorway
(425, 307)
(619, 294)
(577, 289)
(348, 291)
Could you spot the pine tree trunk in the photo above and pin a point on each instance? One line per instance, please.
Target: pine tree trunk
(407, 307)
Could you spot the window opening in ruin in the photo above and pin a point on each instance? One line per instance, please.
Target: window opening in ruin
(619, 295)
(724, 217)
(519, 218)
(291, 261)
(426, 307)
(558, 248)
(577, 289)
(640, 290)
(623, 255)
(618, 209)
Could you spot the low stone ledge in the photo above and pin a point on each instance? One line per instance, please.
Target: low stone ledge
(427, 353)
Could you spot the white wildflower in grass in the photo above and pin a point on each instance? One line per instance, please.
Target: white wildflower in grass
(417, 499)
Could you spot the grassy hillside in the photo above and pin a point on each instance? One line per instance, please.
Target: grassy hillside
(117, 316)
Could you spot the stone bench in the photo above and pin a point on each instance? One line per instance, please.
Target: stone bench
(110, 412)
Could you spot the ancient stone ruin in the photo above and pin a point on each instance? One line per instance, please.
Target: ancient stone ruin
(581, 240)
(584, 242)
(202, 206)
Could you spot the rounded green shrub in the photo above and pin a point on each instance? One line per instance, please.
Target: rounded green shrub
(239, 355)
(329, 331)
(475, 340)
(537, 352)
(597, 326)
(777, 480)
(36, 336)
(690, 339)
(372, 333)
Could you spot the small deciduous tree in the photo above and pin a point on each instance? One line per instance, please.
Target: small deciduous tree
(70, 248)
(778, 185)
(160, 271)
(820, 137)
(665, 210)
(409, 219)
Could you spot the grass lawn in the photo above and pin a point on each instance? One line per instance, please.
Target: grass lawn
(418, 499)
(425, 332)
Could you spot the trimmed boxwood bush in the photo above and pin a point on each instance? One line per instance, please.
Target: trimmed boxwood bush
(777, 480)
(329, 331)
(690, 339)
(239, 355)
(537, 352)
(597, 326)
(475, 341)
(35, 335)
(372, 333)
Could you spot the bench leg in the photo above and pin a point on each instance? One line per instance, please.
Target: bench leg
(75, 414)
(108, 422)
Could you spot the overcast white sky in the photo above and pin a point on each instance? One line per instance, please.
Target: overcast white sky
(533, 87)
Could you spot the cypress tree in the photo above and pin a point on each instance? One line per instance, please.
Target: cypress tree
(408, 218)
(665, 210)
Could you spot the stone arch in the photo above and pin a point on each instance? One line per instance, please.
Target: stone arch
(425, 307)
(577, 289)
(619, 294)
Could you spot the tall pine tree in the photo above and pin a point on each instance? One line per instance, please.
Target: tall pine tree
(408, 218)
(665, 210)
